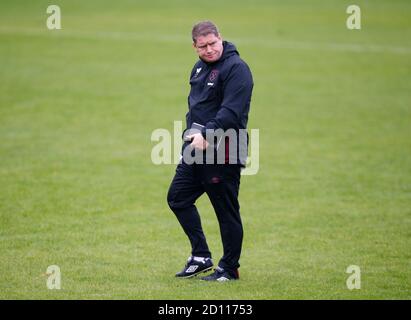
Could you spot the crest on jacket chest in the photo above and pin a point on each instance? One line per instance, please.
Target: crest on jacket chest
(213, 75)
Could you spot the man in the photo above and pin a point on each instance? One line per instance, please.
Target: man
(220, 95)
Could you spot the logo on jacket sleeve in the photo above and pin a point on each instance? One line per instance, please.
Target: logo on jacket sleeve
(197, 72)
(213, 75)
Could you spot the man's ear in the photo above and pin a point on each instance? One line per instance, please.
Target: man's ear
(194, 45)
(220, 37)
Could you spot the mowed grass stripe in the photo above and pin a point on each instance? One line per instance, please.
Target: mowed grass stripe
(182, 39)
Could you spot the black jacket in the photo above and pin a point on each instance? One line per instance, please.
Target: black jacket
(220, 92)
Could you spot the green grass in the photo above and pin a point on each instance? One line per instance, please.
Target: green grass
(78, 189)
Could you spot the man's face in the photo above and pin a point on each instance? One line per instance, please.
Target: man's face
(209, 47)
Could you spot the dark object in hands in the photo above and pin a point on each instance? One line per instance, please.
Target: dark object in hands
(195, 128)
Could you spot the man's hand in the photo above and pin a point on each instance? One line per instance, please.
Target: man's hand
(198, 141)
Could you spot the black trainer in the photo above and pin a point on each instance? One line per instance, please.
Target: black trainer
(195, 266)
(220, 274)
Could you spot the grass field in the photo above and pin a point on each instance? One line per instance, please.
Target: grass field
(78, 188)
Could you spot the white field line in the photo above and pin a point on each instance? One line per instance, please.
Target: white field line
(274, 44)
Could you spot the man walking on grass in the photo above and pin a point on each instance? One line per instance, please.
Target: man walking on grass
(219, 99)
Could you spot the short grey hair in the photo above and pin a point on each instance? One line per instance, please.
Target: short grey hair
(203, 28)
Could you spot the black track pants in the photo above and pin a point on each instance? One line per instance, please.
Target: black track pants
(221, 182)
